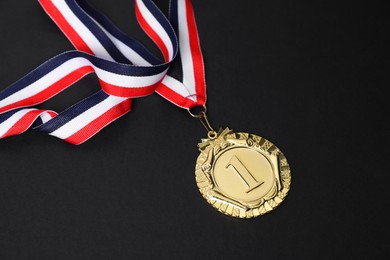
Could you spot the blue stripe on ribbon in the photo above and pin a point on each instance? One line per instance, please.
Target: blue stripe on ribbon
(122, 67)
(97, 32)
(48, 66)
(117, 33)
(33, 76)
(163, 22)
(73, 112)
(4, 117)
(173, 16)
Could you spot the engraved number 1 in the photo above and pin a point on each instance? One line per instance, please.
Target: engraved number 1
(243, 172)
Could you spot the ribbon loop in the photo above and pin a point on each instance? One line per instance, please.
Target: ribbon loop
(124, 67)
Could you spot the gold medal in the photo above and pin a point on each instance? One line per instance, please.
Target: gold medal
(241, 175)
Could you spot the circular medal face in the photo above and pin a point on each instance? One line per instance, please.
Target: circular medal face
(242, 175)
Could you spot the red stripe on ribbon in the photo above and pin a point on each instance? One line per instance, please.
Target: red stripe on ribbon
(23, 124)
(52, 114)
(51, 91)
(175, 98)
(127, 92)
(64, 26)
(99, 123)
(151, 33)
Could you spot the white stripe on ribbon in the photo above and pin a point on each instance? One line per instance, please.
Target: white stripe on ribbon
(79, 122)
(88, 37)
(156, 26)
(126, 51)
(72, 65)
(46, 81)
(185, 50)
(46, 117)
(128, 81)
(178, 87)
(10, 122)
(185, 89)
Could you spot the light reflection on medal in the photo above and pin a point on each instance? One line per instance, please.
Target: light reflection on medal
(241, 175)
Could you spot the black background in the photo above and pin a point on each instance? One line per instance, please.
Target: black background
(308, 75)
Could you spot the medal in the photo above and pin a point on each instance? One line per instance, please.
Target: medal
(240, 174)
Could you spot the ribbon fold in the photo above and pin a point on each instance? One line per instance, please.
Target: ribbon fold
(124, 67)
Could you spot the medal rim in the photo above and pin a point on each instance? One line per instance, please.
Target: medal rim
(230, 206)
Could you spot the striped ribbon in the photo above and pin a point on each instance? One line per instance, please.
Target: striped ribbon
(124, 67)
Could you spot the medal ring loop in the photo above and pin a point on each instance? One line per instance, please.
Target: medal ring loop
(212, 135)
(204, 120)
(199, 114)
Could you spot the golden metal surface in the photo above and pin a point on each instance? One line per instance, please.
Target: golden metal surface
(242, 175)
